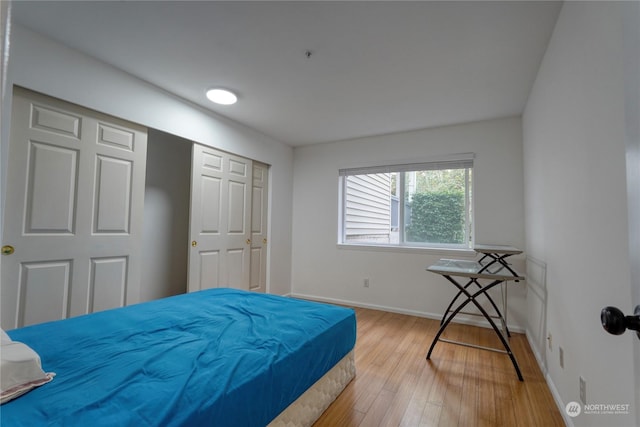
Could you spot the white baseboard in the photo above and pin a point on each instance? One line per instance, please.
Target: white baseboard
(436, 316)
(561, 405)
(536, 353)
(552, 387)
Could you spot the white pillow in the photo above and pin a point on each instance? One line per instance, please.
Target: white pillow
(20, 369)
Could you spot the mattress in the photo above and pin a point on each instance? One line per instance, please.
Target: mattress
(218, 357)
(306, 409)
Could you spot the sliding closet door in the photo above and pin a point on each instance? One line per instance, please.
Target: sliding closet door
(73, 217)
(259, 212)
(220, 220)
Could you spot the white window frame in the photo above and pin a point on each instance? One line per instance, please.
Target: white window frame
(458, 161)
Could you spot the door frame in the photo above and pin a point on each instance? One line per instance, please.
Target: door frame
(631, 54)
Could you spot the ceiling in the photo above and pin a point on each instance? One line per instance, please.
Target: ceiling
(374, 68)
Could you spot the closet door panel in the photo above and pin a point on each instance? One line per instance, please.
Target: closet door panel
(112, 195)
(256, 269)
(237, 206)
(220, 218)
(75, 194)
(108, 283)
(237, 239)
(210, 196)
(50, 191)
(259, 225)
(235, 265)
(209, 274)
(44, 291)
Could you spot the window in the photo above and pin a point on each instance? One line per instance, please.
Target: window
(411, 205)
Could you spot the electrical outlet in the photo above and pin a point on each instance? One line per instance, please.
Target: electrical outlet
(366, 283)
(561, 353)
(583, 390)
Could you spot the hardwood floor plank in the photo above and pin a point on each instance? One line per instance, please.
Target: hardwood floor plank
(459, 386)
(431, 415)
(419, 403)
(343, 412)
(378, 410)
(400, 402)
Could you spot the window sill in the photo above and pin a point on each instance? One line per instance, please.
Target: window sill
(445, 252)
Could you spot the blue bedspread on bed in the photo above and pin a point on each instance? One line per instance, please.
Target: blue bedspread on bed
(218, 357)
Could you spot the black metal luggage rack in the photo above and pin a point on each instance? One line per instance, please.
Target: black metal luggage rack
(493, 270)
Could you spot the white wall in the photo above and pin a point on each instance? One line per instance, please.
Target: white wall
(398, 280)
(575, 197)
(45, 66)
(165, 237)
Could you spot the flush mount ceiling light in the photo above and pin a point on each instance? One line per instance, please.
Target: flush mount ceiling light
(222, 96)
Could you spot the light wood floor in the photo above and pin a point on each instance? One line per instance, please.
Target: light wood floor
(459, 386)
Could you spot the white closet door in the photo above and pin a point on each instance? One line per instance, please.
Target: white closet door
(73, 211)
(220, 220)
(259, 212)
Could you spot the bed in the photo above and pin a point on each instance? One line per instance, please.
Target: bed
(219, 357)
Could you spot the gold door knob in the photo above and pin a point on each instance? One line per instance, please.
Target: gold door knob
(248, 241)
(264, 241)
(194, 243)
(7, 250)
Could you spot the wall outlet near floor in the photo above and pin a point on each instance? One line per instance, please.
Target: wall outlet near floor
(561, 353)
(583, 390)
(366, 283)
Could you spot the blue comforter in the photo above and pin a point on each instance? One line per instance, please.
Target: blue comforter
(218, 357)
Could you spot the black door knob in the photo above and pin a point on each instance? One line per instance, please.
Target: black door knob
(615, 322)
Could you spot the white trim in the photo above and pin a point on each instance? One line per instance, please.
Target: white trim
(457, 252)
(536, 287)
(552, 387)
(536, 353)
(435, 316)
(430, 159)
(342, 202)
(468, 209)
(408, 167)
(287, 295)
